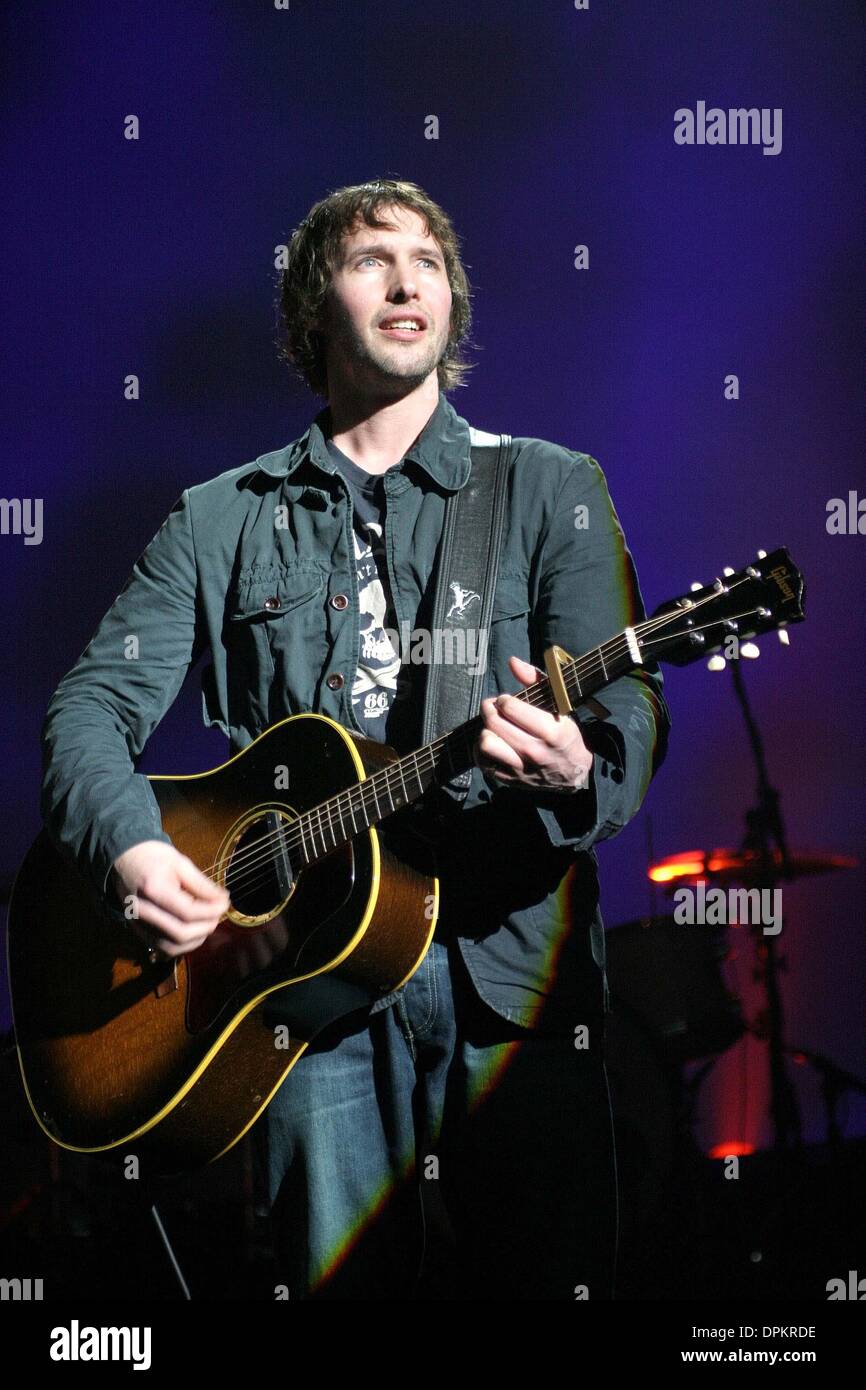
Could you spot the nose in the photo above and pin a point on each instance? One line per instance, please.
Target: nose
(402, 284)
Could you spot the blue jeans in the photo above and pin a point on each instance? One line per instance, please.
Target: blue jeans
(436, 1150)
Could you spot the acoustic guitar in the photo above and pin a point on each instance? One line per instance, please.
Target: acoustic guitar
(174, 1060)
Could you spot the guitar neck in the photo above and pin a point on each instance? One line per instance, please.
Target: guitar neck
(323, 828)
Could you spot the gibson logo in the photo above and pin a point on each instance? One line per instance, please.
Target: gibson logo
(779, 574)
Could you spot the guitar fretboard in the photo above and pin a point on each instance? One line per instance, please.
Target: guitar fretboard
(323, 828)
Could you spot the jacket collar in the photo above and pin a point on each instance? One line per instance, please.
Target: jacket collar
(442, 448)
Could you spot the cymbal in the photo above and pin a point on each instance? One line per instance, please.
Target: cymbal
(722, 866)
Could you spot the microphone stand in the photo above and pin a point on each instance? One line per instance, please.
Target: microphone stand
(764, 831)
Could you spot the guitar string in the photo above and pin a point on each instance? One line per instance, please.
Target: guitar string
(359, 796)
(735, 618)
(292, 842)
(353, 799)
(291, 836)
(536, 694)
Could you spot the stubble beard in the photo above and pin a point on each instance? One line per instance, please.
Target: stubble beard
(393, 363)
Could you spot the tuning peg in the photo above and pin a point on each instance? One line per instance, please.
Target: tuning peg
(749, 650)
(762, 554)
(784, 637)
(694, 586)
(727, 571)
(716, 663)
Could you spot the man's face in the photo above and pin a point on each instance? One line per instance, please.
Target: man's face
(386, 275)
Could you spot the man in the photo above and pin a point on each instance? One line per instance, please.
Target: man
(455, 1140)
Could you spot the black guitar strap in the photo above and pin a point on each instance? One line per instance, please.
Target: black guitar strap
(466, 578)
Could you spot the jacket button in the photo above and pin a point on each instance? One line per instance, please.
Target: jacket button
(272, 602)
(335, 681)
(340, 601)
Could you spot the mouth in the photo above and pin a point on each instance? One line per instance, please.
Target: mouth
(404, 328)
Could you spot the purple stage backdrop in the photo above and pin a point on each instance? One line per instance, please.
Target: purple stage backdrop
(706, 348)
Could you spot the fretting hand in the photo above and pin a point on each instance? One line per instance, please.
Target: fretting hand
(523, 746)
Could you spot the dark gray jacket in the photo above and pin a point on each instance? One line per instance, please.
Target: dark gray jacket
(518, 872)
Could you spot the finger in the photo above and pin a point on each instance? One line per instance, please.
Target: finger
(525, 672)
(170, 926)
(165, 948)
(492, 748)
(556, 730)
(531, 731)
(161, 946)
(198, 883)
(179, 903)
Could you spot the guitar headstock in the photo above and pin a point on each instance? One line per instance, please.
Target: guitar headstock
(763, 597)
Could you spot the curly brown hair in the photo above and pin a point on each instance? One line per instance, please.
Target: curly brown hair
(312, 253)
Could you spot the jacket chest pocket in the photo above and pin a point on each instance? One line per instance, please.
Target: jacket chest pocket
(509, 631)
(510, 615)
(276, 639)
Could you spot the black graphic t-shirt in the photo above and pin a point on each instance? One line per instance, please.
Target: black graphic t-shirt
(375, 683)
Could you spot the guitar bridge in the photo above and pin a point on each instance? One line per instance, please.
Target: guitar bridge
(168, 984)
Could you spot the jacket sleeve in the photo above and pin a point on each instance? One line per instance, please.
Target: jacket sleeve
(588, 592)
(94, 804)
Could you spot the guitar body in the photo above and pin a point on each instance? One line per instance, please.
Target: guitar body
(174, 1061)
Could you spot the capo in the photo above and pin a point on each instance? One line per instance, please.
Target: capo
(554, 658)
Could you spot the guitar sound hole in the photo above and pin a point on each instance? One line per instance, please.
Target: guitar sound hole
(259, 877)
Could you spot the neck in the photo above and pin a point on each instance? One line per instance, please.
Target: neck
(376, 435)
(319, 831)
